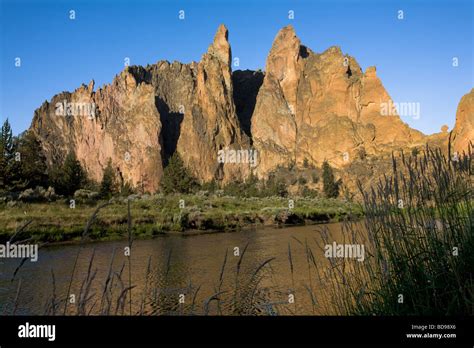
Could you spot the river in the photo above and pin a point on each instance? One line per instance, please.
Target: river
(282, 271)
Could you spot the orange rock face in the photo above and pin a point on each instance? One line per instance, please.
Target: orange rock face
(147, 114)
(306, 107)
(211, 123)
(463, 131)
(125, 127)
(321, 106)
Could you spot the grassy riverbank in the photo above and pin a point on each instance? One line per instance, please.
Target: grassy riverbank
(158, 214)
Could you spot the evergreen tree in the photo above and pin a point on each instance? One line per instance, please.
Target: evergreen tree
(15, 180)
(330, 186)
(108, 184)
(275, 186)
(6, 154)
(32, 169)
(176, 178)
(70, 177)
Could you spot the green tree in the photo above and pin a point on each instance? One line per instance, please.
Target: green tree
(330, 186)
(32, 163)
(176, 178)
(108, 184)
(70, 177)
(15, 180)
(275, 186)
(7, 154)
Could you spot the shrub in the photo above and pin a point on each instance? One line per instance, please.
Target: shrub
(302, 180)
(275, 186)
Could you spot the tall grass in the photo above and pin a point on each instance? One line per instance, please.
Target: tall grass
(420, 227)
(236, 293)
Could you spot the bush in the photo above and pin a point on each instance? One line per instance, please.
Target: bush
(248, 188)
(302, 180)
(86, 195)
(39, 194)
(275, 186)
(307, 192)
(126, 189)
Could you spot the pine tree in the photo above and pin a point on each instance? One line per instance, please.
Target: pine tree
(15, 180)
(108, 184)
(330, 186)
(70, 177)
(6, 154)
(176, 178)
(32, 169)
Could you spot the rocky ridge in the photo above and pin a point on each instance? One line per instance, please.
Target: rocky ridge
(305, 108)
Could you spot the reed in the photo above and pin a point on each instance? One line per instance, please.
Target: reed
(420, 226)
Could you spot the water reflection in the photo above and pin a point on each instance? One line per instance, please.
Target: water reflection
(281, 271)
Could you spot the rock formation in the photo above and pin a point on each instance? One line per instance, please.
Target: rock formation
(147, 114)
(210, 123)
(306, 107)
(321, 106)
(463, 131)
(124, 126)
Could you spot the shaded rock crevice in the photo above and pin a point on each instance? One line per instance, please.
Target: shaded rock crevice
(247, 84)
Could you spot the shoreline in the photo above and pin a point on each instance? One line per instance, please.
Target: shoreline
(55, 223)
(191, 233)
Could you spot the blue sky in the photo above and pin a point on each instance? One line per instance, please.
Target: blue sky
(413, 56)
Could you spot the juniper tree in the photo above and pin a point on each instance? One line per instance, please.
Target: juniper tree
(176, 177)
(32, 169)
(70, 177)
(108, 184)
(6, 153)
(330, 185)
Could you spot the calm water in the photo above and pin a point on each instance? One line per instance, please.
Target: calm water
(186, 268)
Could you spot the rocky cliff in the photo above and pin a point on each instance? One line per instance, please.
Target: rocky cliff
(306, 107)
(147, 114)
(463, 131)
(321, 106)
(123, 126)
(210, 123)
